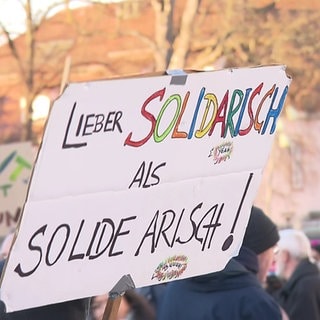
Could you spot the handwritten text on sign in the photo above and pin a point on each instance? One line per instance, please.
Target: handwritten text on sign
(143, 177)
(16, 160)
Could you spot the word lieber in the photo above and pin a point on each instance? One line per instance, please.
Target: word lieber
(88, 124)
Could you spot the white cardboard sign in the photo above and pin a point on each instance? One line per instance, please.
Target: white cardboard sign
(16, 161)
(153, 177)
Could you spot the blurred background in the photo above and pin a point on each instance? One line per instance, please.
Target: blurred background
(45, 44)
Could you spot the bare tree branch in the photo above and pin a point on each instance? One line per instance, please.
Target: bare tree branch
(182, 42)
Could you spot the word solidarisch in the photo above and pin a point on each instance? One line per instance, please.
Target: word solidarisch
(236, 108)
(169, 226)
(230, 113)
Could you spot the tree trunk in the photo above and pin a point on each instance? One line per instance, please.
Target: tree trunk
(30, 48)
(182, 42)
(163, 30)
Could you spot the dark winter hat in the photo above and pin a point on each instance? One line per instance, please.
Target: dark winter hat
(261, 233)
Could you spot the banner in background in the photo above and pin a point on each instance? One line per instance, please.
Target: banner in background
(16, 162)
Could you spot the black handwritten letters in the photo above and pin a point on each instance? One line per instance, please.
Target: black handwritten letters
(104, 238)
(103, 241)
(88, 124)
(197, 224)
(169, 220)
(202, 230)
(146, 179)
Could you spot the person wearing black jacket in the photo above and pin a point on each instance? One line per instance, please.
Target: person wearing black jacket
(235, 292)
(300, 295)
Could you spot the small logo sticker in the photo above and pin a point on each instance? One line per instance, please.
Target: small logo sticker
(221, 152)
(171, 268)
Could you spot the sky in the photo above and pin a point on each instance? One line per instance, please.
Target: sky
(12, 14)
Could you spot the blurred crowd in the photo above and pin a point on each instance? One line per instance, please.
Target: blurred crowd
(275, 276)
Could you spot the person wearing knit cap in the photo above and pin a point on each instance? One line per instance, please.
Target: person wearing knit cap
(259, 242)
(236, 292)
(261, 233)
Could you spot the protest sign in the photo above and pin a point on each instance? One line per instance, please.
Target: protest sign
(16, 161)
(152, 177)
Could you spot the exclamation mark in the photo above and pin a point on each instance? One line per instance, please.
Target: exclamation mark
(227, 243)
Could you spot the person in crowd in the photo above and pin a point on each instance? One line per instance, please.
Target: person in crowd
(274, 285)
(133, 306)
(236, 292)
(300, 295)
(154, 294)
(315, 251)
